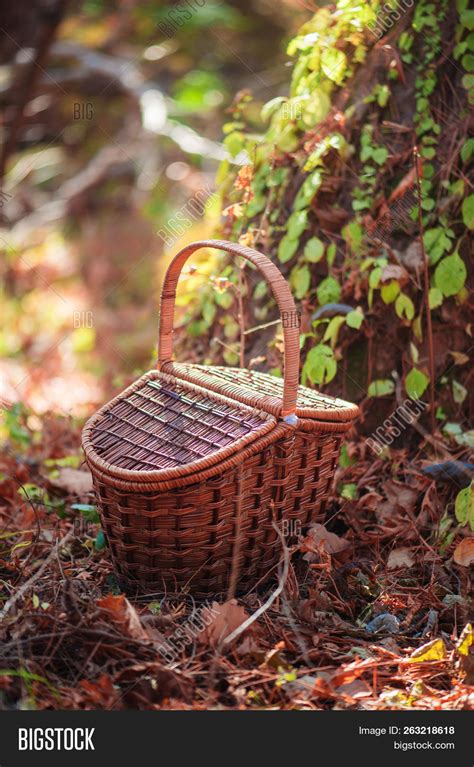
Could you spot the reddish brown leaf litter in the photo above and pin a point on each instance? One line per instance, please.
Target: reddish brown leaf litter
(373, 614)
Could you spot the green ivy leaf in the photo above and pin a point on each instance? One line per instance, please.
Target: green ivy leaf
(464, 506)
(355, 318)
(467, 150)
(416, 383)
(287, 249)
(331, 253)
(353, 235)
(468, 211)
(296, 224)
(467, 19)
(261, 290)
(436, 242)
(435, 298)
(390, 292)
(459, 392)
(328, 291)
(307, 190)
(374, 277)
(316, 109)
(332, 330)
(314, 250)
(381, 388)
(271, 107)
(380, 155)
(234, 142)
(404, 307)
(300, 280)
(320, 366)
(334, 64)
(349, 491)
(450, 275)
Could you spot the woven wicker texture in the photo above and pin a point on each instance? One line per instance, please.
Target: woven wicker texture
(162, 424)
(264, 391)
(193, 466)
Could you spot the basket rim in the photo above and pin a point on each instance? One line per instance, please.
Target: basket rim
(269, 423)
(343, 411)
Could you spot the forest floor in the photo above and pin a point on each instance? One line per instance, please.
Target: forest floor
(374, 613)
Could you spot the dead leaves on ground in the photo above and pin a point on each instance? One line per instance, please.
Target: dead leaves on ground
(224, 620)
(119, 610)
(369, 616)
(73, 481)
(464, 552)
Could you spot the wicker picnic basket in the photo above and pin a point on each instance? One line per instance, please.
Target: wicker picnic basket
(198, 470)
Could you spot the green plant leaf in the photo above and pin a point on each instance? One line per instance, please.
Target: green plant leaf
(374, 277)
(300, 280)
(328, 291)
(332, 330)
(437, 243)
(355, 318)
(314, 250)
(296, 224)
(464, 506)
(468, 211)
(287, 249)
(416, 383)
(390, 292)
(467, 19)
(435, 298)
(320, 366)
(450, 275)
(349, 491)
(307, 190)
(353, 235)
(467, 150)
(271, 106)
(380, 155)
(404, 307)
(334, 64)
(381, 388)
(459, 392)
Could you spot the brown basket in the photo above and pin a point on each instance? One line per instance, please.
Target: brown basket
(193, 466)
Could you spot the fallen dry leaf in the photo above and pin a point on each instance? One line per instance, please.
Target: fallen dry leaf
(355, 689)
(100, 693)
(434, 650)
(227, 617)
(466, 640)
(73, 481)
(464, 552)
(120, 611)
(400, 558)
(394, 272)
(320, 538)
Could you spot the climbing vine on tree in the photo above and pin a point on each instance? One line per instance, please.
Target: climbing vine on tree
(331, 194)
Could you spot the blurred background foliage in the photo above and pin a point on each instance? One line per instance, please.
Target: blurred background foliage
(112, 121)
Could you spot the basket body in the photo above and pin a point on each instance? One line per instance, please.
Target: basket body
(201, 472)
(213, 530)
(306, 476)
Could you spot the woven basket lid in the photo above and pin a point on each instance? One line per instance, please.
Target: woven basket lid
(264, 391)
(161, 428)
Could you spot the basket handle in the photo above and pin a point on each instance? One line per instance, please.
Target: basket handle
(280, 290)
